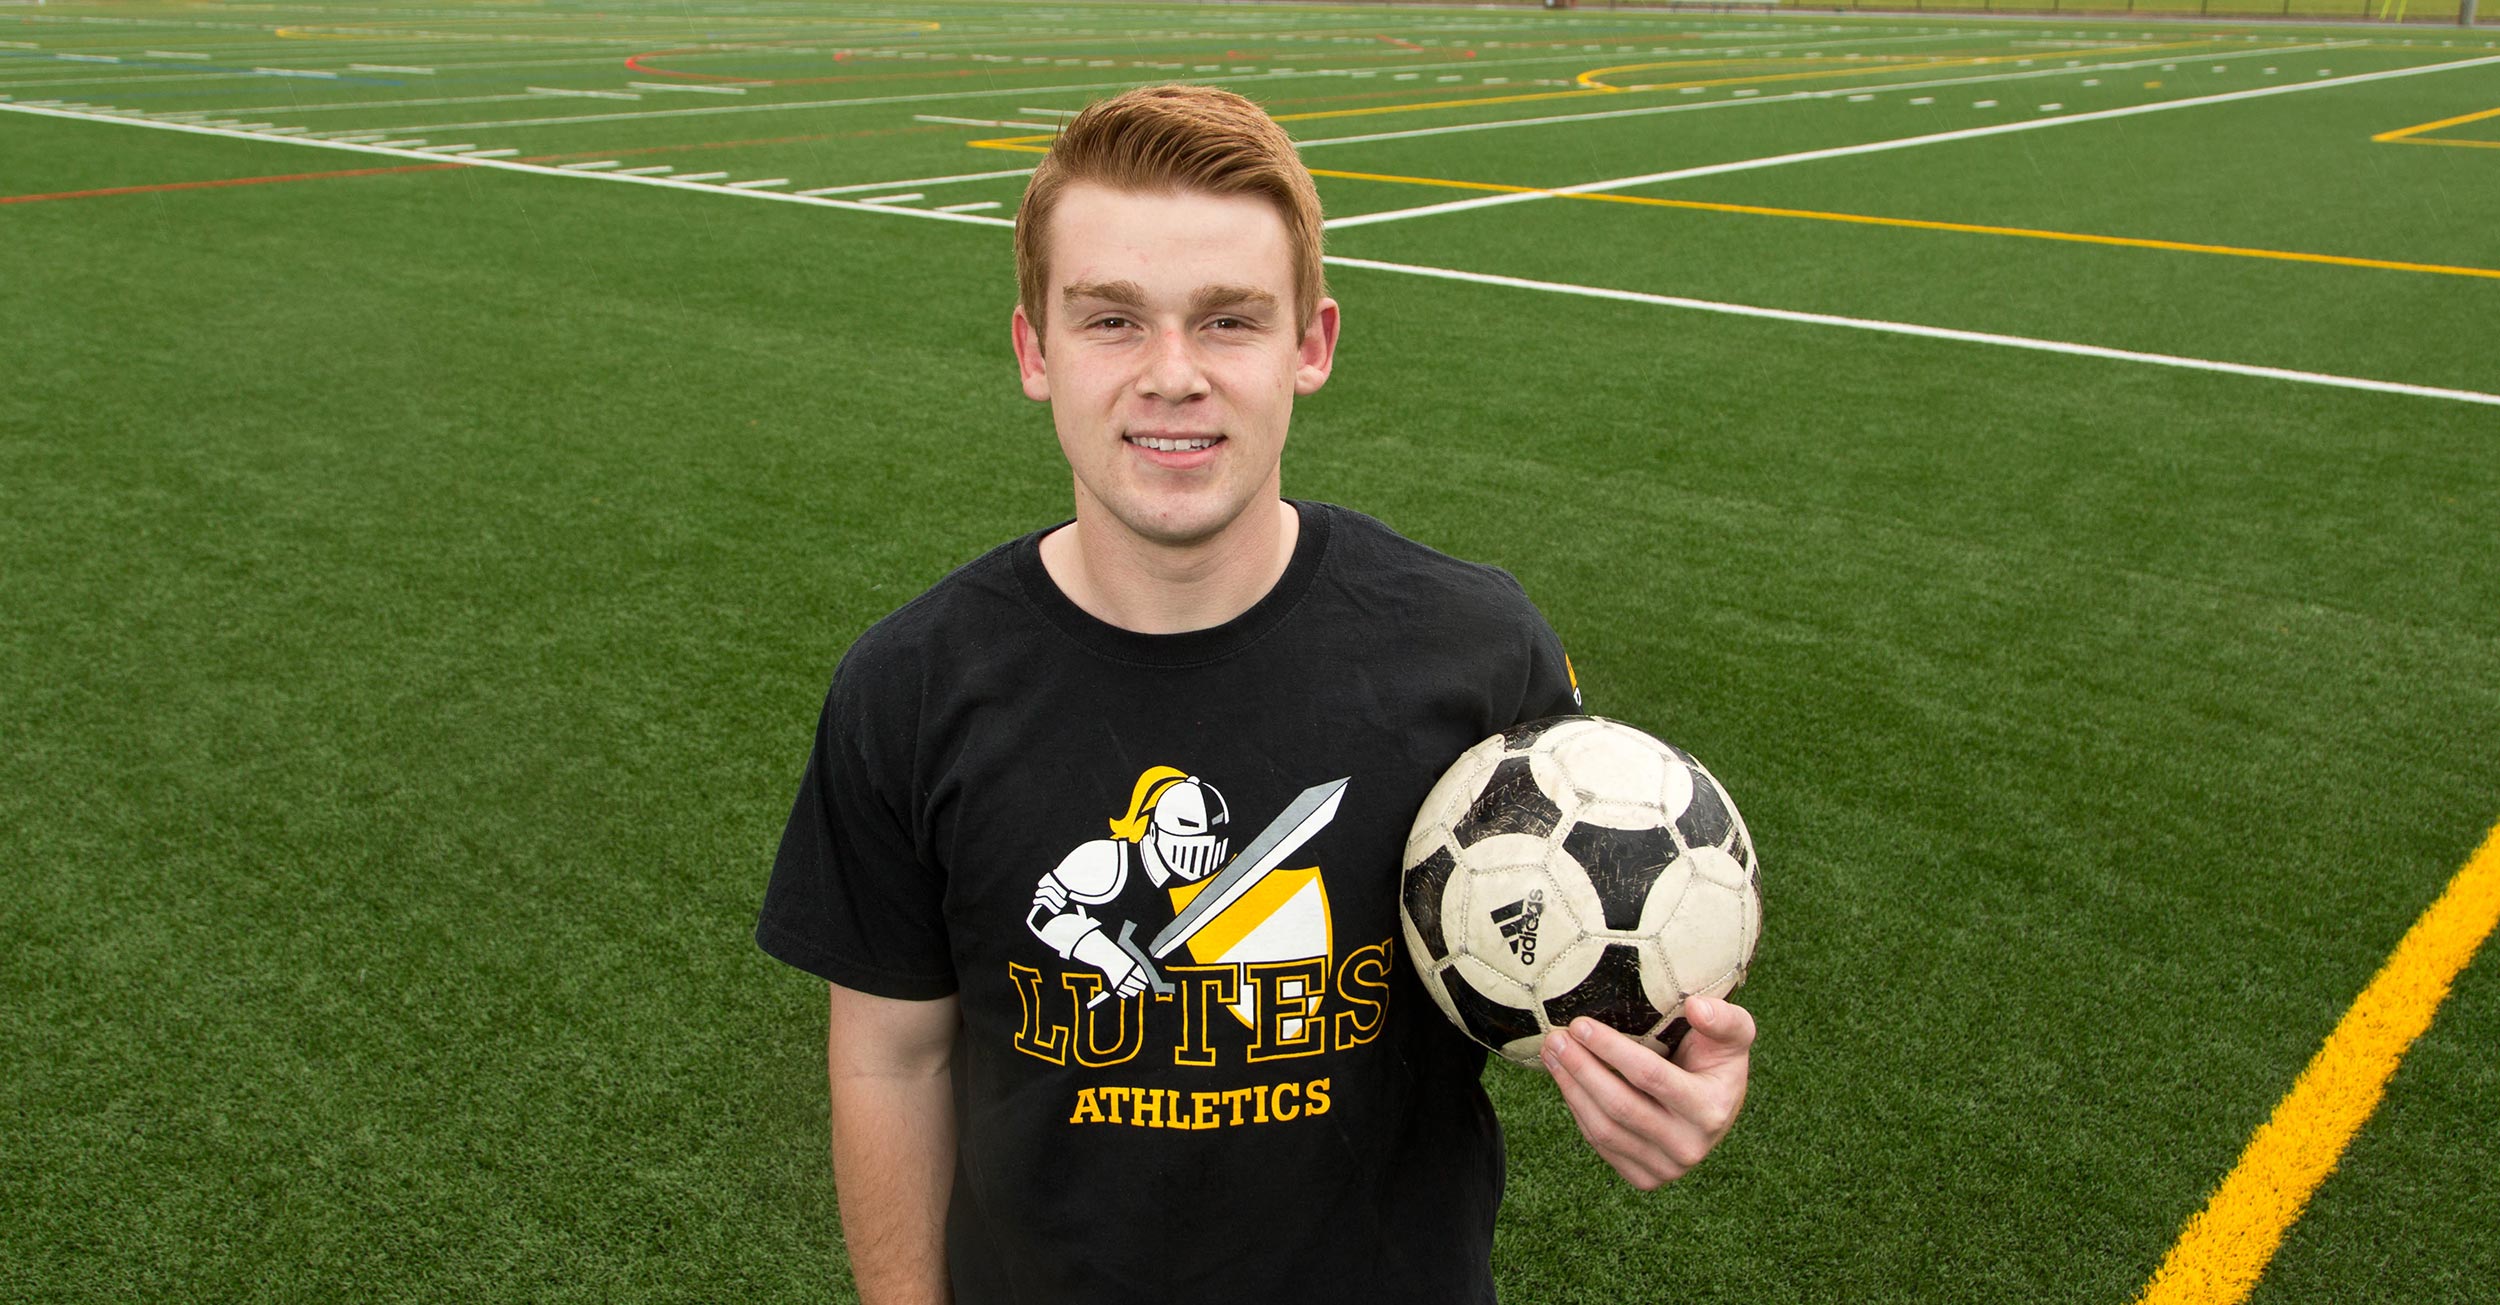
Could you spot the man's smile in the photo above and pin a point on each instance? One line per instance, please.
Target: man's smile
(1175, 450)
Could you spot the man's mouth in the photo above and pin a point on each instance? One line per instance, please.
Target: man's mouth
(1175, 443)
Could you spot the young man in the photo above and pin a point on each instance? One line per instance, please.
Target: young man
(1058, 1075)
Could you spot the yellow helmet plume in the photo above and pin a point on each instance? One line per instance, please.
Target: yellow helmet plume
(1150, 786)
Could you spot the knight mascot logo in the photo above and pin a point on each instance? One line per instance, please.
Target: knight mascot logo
(1176, 834)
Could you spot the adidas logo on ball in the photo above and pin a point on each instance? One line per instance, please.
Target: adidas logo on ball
(1518, 923)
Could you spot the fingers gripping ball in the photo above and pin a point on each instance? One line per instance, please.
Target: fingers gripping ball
(1576, 866)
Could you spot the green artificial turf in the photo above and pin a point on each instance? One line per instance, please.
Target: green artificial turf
(419, 588)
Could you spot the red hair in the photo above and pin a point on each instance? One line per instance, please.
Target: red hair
(1173, 138)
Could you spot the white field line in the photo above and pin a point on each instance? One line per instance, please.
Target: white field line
(514, 165)
(172, 54)
(1902, 142)
(759, 184)
(588, 95)
(920, 181)
(903, 198)
(1929, 332)
(973, 207)
(985, 122)
(390, 67)
(375, 104)
(1790, 97)
(696, 87)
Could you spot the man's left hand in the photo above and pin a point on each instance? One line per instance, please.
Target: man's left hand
(1649, 1117)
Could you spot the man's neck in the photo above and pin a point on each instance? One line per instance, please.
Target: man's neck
(1150, 588)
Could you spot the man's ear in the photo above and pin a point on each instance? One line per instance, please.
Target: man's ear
(1028, 340)
(1318, 350)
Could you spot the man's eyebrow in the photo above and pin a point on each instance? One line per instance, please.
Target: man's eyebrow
(1233, 296)
(1117, 292)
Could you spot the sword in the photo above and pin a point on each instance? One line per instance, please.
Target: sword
(1285, 835)
(1304, 816)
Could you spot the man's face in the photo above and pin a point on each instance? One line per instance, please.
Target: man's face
(1170, 358)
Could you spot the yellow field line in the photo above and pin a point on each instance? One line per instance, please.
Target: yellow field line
(2401, 132)
(2461, 144)
(2225, 1248)
(1922, 224)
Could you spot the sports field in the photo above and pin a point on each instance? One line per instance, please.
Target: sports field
(2049, 469)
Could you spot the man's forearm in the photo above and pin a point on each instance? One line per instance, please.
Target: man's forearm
(893, 1169)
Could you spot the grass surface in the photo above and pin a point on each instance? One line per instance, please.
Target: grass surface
(419, 586)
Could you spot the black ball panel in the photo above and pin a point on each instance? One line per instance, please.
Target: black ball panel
(1422, 891)
(1611, 995)
(1510, 803)
(1705, 822)
(1486, 1020)
(1621, 865)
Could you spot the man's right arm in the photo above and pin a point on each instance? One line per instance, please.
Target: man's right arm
(893, 1141)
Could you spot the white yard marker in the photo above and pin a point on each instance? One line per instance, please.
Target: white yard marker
(93, 58)
(1901, 142)
(587, 167)
(904, 198)
(764, 184)
(984, 122)
(379, 145)
(652, 171)
(918, 181)
(1983, 104)
(973, 207)
(1928, 332)
(442, 149)
(684, 86)
(490, 154)
(588, 95)
(172, 54)
(700, 176)
(390, 67)
(295, 72)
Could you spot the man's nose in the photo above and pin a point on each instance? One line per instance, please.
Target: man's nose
(1173, 369)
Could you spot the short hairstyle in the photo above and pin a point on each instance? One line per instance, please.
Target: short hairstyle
(1160, 139)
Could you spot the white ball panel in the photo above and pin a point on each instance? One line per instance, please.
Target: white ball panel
(1516, 921)
(1608, 762)
(1704, 941)
(1719, 868)
(1666, 896)
(1562, 970)
(1456, 789)
(1643, 814)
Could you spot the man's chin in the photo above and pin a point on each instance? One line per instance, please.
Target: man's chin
(1181, 522)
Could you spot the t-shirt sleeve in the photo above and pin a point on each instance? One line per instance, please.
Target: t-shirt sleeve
(851, 900)
(1553, 688)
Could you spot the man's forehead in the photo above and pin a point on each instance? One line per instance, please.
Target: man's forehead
(1175, 244)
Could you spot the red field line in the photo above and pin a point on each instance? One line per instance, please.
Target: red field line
(227, 181)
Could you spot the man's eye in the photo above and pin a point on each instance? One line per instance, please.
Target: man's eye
(1113, 323)
(1231, 323)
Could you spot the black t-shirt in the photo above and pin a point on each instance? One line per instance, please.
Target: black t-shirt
(1019, 804)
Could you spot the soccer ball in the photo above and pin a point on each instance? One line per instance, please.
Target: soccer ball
(1576, 866)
